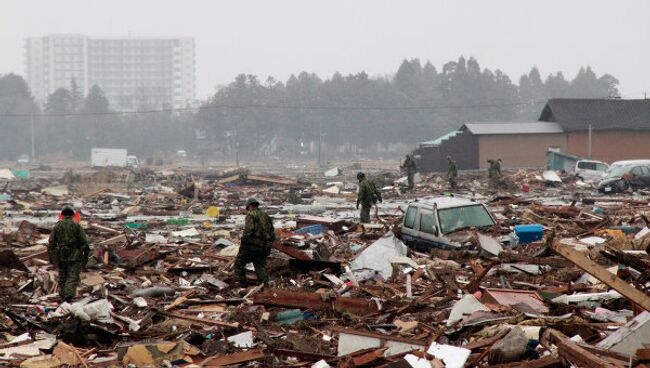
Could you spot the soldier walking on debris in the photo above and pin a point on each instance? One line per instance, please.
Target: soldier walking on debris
(452, 172)
(68, 250)
(494, 171)
(411, 169)
(367, 196)
(256, 244)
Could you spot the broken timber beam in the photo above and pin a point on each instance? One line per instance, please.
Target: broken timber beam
(474, 285)
(572, 352)
(603, 275)
(548, 361)
(291, 252)
(547, 261)
(234, 358)
(180, 300)
(306, 300)
(212, 322)
(272, 180)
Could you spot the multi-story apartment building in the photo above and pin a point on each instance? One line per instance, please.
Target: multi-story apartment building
(134, 73)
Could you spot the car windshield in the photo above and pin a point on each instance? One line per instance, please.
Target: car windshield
(619, 171)
(462, 217)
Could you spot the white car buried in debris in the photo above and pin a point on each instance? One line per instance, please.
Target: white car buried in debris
(438, 222)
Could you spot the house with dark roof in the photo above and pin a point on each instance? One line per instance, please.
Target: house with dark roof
(620, 130)
(517, 143)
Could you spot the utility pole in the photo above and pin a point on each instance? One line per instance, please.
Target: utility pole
(33, 156)
(320, 139)
(237, 143)
(589, 146)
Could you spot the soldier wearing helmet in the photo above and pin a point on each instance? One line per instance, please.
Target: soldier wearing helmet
(410, 167)
(68, 250)
(256, 243)
(367, 196)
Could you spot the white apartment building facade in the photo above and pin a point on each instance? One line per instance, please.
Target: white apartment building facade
(134, 73)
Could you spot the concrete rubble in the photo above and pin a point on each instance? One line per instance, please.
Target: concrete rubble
(158, 290)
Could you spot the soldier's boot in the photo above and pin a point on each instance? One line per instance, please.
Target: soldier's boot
(260, 271)
(240, 269)
(365, 215)
(72, 280)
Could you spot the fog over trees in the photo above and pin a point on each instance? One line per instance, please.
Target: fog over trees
(354, 115)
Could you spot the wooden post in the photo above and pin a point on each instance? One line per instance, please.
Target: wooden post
(608, 278)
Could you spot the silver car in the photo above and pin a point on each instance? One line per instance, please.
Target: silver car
(437, 222)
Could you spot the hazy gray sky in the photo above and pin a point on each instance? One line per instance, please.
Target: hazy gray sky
(272, 37)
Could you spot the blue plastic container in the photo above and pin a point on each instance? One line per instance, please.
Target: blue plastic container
(311, 229)
(529, 233)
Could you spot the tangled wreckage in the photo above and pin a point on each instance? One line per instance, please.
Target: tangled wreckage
(550, 276)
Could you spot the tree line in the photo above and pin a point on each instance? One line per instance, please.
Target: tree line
(350, 116)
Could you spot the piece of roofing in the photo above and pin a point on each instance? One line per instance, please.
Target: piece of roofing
(513, 128)
(576, 114)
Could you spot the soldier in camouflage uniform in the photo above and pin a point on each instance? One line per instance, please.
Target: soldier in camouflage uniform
(411, 169)
(256, 243)
(494, 171)
(367, 196)
(68, 250)
(452, 172)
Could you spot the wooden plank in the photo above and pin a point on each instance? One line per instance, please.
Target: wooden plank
(273, 180)
(206, 321)
(307, 300)
(104, 228)
(291, 252)
(235, 358)
(572, 352)
(229, 179)
(114, 240)
(549, 261)
(382, 337)
(603, 275)
(643, 354)
(180, 300)
(548, 361)
(474, 285)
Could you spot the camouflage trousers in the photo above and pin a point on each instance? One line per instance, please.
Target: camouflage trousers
(255, 254)
(452, 182)
(410, 177)
(69, 279)
(364, 214)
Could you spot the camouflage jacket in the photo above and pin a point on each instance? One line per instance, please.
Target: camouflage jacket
(368, 193)
(409, 165)
(495, 167)
(258, 229)
(68, 243)
(452, 172)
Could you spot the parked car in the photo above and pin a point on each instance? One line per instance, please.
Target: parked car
(437, 222)
(618, 164)
(623, 178)
(590, 170)
(132, 162)
(23, 159)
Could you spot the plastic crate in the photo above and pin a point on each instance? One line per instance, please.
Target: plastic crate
(529, 233)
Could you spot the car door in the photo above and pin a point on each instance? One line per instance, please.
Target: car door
(645, 177)
(637, 179)
(409, 230)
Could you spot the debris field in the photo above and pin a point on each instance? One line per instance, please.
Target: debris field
(158, 290)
